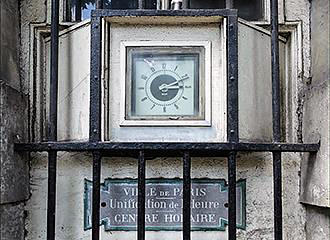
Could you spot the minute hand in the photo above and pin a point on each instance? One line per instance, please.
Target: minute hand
(171, 84)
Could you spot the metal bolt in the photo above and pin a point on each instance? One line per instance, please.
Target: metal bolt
(95, 131)
(232, 131)
(95, 76)
(231, 25)
(232, 78)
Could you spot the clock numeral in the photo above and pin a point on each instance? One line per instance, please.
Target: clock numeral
(187, 86)
(153, 69)
(184, 98)
(176, 67)
(143, 99)
(176, 106)
(164, 66)
(141, 88)
(164, 109)
(184, 76)
(144, 77)
(153, 106)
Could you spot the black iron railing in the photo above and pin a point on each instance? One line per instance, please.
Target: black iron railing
(228, 149)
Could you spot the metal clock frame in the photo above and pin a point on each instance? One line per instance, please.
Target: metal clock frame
(205, 86)
(228, 149)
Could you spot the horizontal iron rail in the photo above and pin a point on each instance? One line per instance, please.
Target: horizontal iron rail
(167, 13)
(205, 147)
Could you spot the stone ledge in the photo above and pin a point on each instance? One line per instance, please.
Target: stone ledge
(14, 175)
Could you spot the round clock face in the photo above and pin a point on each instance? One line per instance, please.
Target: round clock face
(164, 84)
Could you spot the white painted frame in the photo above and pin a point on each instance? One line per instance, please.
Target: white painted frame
(267, 13)
(207, 84)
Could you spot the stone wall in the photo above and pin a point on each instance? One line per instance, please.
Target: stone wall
(256, 168)
(316, 168)
(14, 175)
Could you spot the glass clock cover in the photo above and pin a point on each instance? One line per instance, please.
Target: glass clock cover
(164, 83)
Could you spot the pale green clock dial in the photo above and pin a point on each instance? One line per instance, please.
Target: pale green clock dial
(164, 84)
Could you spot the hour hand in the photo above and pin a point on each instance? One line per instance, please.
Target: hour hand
(169, 87)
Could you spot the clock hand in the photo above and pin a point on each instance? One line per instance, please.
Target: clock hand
(172, 87)
(150, 63)
(171, 84)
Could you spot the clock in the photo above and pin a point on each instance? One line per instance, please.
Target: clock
(164, 83)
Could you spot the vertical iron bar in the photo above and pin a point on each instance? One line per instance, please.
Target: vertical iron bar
(53, 72)
(77, 10)
(232, 79)
(95, 81)
(186, 195)
(275, 73)
(141, 196)
(185, 4)
(51, 200)
(99, 4)
(229, 4)
(52, 134)
(232, 118)
(95, 117)
(142, 4)
(96, 195)
(276, 101)
(232, 195)
(277, 172)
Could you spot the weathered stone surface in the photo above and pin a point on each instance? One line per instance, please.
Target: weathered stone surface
(12, 221)
(318, 219)
(73, 168)
(32, 12)
(256, 168)
(9, 43)
(14, 176)
(316, 169)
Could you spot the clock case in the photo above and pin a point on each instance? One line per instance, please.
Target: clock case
(252, 63)
(176, 32)
(203, 85)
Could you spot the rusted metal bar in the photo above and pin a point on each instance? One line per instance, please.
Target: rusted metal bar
(185, 4)
(141, 196)
(142, 4)
(95, 117)
(97, 161)
(189, 12)
(276, 107)
(52, 128)
(99, 4)
(276, 92)
(229, 4)
(232, 118)
(212, 149)
(186, 224)
(232, 196)
(77, 10)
